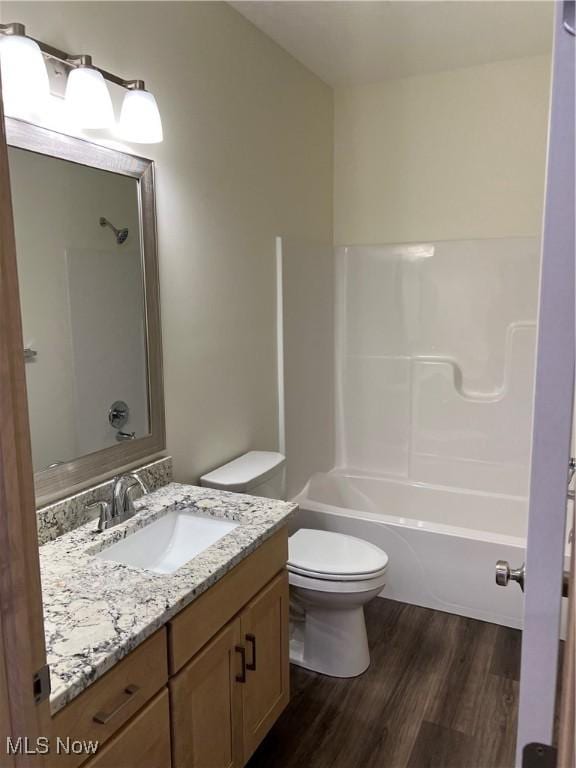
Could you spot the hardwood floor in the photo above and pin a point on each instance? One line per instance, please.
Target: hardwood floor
(441, 692)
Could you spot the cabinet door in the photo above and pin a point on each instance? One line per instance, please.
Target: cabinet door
(207, 705)
(143, 743)
(264, 625)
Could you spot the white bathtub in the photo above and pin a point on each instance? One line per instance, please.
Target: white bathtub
(448, 566)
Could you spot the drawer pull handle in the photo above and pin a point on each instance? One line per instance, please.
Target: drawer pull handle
(252, 640)
(241, 678)
(103, 718)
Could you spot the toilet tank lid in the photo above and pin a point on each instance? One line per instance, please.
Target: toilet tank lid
(245, 472)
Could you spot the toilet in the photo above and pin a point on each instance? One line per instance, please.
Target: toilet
(332, 575)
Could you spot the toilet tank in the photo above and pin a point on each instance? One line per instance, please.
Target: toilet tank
(259, 473)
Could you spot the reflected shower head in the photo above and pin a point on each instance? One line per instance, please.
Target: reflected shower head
(121, 234)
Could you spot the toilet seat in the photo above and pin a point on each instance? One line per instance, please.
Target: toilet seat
(337, 577)
(319, 584)
(329, 556)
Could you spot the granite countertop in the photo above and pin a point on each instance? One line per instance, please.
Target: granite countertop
(97, 611)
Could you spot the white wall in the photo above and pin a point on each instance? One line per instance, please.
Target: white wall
(247, 156)
(454, 155)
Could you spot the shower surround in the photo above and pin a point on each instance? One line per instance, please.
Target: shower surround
(435, 354)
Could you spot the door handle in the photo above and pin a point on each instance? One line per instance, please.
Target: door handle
(505, 574)
(241, 677)
(252, 640)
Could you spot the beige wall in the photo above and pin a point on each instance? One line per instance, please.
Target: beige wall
(454, 155)
(308, 326)
(247, 156)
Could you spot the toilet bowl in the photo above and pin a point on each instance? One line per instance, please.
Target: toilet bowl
(332, 576)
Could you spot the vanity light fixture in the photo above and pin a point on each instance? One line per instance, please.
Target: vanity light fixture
(139, 117)
(87, 98)
(26, 88)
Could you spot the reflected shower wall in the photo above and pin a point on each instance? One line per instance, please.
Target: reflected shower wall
(435, 361)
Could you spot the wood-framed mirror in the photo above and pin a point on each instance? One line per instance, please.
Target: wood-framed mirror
(85, 230)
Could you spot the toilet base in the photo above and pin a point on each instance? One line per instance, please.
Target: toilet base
(330, 641)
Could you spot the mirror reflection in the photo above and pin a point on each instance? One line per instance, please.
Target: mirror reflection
(83, 309)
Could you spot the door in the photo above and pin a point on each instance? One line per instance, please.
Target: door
(264, 624)
(23, 710)
(554, 393)
(206, 705)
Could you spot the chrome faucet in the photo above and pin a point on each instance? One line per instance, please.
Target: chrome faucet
(122, 506)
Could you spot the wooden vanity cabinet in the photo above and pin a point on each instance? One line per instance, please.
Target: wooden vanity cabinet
(227, 697)
(203, 691)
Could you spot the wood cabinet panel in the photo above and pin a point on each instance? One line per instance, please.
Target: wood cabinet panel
(112, 700)
(195, 625)
(264, 628)
(143, 743)
(206, 706)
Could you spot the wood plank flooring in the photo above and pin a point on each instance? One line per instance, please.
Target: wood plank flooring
(441, 692)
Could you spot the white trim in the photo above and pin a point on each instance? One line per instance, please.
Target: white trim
(280, 347)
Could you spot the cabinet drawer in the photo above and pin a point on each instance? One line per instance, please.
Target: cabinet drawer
(113, 699)
(195, 625)
(143, 743)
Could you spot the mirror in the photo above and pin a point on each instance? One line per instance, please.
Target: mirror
(87, 269)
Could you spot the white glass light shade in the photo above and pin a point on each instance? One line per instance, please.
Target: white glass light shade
(88, 99)
(25, 86)
(140, 120)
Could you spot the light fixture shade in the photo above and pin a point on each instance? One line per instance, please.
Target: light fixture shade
(88, 99)
(140, 120)
(25, 86)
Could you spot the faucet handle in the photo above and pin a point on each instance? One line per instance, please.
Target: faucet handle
(105, 513)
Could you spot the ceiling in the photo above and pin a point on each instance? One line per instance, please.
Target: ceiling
(355, 42)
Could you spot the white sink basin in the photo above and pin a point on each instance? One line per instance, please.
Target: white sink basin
(169, 542)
